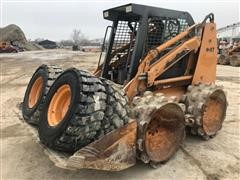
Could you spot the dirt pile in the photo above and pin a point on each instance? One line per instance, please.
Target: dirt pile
(13, 33)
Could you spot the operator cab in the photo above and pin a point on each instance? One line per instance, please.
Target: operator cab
(137, 29)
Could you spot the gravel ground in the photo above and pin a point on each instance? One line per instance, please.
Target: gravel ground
(23, 158)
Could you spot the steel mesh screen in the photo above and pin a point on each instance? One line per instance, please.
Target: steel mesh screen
(124, 40)
(162, 29)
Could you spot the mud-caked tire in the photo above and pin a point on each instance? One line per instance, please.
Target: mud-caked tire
(206, 109)
(117, 108)
(161, 127)
(37, 90)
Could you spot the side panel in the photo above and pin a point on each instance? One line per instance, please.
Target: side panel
(205, 71)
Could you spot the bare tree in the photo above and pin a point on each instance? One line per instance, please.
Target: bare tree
(66, 42)
(77, 36)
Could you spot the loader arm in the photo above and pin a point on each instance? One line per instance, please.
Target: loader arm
(167, 61)
(149, 71)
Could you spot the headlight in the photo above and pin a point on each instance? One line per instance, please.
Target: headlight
(128, 9)
(106, 14)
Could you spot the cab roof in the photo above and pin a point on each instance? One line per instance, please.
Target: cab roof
(133, 12)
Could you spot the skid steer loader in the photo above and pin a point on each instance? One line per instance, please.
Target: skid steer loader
(155, 82)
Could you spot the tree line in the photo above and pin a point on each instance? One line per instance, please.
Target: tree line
(77, 38)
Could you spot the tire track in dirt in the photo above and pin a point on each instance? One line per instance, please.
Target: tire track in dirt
(193, 160)
(12, 79)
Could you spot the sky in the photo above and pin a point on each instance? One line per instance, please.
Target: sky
(56, 19)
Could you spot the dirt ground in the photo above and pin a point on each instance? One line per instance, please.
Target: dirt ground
(23, 158)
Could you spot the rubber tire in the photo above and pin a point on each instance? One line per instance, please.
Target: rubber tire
(143, 107)
(49, 74)
(82, 122)
(196, 98)
(117, 108)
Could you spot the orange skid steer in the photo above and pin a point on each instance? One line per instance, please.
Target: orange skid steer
(154, 83)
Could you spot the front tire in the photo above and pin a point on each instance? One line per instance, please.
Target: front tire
(80, 122)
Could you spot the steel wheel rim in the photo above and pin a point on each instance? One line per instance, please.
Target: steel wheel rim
(35, 92)
(59, 105)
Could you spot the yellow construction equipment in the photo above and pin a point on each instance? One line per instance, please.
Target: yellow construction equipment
(155, 82)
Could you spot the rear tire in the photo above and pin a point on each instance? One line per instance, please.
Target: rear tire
(206, 106)
(161, 127)
(40, 82)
